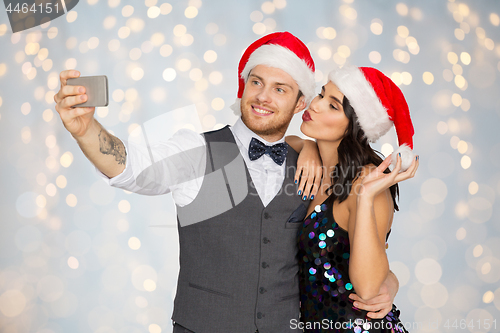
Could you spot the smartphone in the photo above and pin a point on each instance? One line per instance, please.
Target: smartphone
(96, 89)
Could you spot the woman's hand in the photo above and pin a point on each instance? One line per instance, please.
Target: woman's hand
(377, 181)
(309, 170)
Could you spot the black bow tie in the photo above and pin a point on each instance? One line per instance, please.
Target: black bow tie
(277, 152)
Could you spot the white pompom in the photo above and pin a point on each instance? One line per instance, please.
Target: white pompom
(236, 107)
(407, 157)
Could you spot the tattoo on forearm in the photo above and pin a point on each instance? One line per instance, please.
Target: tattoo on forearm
(110, 145)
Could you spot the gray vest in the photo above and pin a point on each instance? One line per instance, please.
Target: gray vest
(238, 267)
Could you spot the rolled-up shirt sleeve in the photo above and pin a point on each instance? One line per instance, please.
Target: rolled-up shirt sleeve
(124, 176)
(176, 165)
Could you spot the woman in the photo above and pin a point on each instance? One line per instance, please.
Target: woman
(342, 241)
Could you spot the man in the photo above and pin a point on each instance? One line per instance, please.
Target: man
(237, 221)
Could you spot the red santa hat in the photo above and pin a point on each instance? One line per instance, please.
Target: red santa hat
(379, 104)
(280, 50)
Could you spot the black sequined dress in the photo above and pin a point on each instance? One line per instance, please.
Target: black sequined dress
(324, 280)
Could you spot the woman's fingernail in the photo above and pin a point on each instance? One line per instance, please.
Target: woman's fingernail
(304, 198)
(300, 192)
(399, 154)
(312, 197)
(295, 181)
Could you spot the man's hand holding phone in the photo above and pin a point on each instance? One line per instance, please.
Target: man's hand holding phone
(77, 120)
(104, 150)
(73, 97)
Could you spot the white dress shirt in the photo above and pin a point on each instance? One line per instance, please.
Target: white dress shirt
(267, 176)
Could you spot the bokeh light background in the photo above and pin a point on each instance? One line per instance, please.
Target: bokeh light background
(79, 256)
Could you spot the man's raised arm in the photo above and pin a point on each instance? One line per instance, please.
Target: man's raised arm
(104, 150)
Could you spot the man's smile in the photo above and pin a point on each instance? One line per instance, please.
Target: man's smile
(261, 111)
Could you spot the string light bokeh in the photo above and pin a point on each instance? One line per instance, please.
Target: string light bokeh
(79, 256)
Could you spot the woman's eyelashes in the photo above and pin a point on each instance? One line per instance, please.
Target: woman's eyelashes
(331, 105)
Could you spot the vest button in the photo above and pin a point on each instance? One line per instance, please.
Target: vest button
(266, 240)
(260, 315)
(266, 215)
(265, 265)
(262, 290)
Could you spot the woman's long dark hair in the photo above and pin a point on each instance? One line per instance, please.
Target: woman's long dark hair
(354, 152)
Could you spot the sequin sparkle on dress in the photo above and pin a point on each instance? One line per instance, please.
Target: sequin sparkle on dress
(324, 280)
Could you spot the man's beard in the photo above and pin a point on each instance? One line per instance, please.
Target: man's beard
(270, 128)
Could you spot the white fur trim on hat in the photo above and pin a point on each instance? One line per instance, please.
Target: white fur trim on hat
(280, 57)
(372, 115)
(236, 107)
(407, 157)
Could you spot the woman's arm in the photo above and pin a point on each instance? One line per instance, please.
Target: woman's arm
(368, 264)
(309, 166)
(295, 142)
(370, 218)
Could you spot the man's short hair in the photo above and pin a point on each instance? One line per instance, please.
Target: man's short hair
(299, 95)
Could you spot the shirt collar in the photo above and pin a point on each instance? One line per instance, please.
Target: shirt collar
(245, 135)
